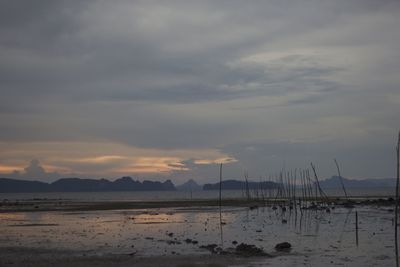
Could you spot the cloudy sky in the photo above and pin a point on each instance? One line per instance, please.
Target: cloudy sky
(169, 89)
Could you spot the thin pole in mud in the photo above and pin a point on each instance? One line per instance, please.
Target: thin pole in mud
(356, 228)
(306, 189)
(277, 190)
(321, 192)
(303, 195)
(289, 185)
(397, 203)
(246, 178)
(341, 180)
(220, 203)
(310, 187)
(294, 190)
(260, 185)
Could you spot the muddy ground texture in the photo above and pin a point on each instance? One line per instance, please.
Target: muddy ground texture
(49, 232)
(44, 204)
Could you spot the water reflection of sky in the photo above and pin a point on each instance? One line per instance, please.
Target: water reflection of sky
(178, 195)
(164, 231)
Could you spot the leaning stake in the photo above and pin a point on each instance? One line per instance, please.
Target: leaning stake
(397, 203)
(356, 228)
(220, 203)
(341, 180)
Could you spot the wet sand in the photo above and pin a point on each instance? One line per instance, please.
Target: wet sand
(175, 235)
(50, 258)
(76, 205)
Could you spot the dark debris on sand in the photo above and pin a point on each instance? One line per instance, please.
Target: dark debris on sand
(246, 250)
(284, 246)
(243, 250)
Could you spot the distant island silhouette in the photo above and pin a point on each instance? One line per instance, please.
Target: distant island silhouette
(240, 185)
(83, 185)
(126, 183)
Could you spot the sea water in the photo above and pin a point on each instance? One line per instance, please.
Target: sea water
(182, 195)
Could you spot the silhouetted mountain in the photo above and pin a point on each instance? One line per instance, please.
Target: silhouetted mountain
(125, 184)
(12, 185)
(150, 185)
(334, 182)
(190, 185)
(80, 185)
(240, 185)
(83, 185)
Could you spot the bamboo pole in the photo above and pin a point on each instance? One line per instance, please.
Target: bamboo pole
(321, 192)
(303, 192)
(356, 228)
(306, 188)
(246, 177)
(397, 202)
(341, 180)
(220, 204)
(294, 191)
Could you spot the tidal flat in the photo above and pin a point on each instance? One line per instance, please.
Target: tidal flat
(189, 235)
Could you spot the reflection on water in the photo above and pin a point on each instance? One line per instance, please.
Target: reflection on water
(316, 236)
(177, 195)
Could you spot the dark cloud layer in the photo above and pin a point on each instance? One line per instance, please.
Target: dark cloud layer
(205, 75)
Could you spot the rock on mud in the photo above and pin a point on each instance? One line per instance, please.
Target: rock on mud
(249, 250)
(210, 247)
(284, 246)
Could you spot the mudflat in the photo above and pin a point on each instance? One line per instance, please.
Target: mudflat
(193, 233)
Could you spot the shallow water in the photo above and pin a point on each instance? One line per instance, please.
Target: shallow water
(179, 195)
(318, 238)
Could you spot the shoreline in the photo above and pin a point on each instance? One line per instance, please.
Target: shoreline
(35, 205)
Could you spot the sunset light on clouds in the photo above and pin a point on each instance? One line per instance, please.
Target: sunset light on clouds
(83, 159)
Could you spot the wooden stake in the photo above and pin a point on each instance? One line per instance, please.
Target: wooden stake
(356, 228)
(341, 180)
(397, 203)
(321, 192)
(220, 203)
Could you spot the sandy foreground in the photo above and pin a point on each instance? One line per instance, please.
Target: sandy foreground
(29, 257)
(63, 233)
(46, 258)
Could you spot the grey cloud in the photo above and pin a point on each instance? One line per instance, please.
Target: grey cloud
(34, 169)
(71, 61)
(177, 74)
(269, 158)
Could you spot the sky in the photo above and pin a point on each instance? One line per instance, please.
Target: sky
(170, 89)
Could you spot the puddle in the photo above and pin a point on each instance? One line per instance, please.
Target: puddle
(33, 224)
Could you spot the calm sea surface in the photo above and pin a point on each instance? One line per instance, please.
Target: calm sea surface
(179, 195)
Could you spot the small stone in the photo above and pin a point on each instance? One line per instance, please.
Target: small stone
(284, 246)
(249, 250)
(210, 247)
